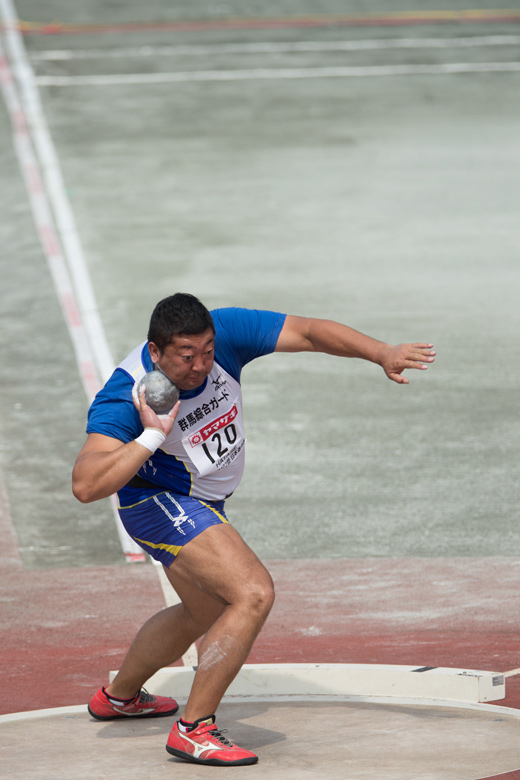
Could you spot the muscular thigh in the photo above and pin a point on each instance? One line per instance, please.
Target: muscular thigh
(202, 608)
(219, 564)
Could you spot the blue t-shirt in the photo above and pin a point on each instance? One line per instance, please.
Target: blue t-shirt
(241, 335)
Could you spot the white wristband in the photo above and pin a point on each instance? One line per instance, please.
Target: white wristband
(151, 438)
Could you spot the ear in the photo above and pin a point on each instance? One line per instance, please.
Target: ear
(154, 351)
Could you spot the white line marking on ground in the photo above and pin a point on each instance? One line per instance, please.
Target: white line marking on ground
(75, 709)
(61, 246)
(281, 47)
(278, 73)
(305, 694)
(512, 673)
(56, 191)
(45, 227)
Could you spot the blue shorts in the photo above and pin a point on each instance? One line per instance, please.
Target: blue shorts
(162, 523)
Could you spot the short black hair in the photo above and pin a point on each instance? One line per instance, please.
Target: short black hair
(178, 314)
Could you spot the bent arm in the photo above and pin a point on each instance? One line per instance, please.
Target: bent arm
(104, 465)
(304, 334)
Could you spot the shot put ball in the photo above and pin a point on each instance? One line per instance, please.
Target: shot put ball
(160, 393)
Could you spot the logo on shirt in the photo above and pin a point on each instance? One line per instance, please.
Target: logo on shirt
(211, 428)
(219, 382)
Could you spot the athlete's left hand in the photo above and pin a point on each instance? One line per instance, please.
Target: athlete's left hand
(397, 359)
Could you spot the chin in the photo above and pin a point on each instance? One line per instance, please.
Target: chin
(191, 384)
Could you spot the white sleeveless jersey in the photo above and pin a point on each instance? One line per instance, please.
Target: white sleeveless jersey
(207, 438)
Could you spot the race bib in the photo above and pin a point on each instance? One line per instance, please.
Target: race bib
(216, 444)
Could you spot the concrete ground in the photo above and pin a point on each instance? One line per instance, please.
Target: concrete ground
(305, 739)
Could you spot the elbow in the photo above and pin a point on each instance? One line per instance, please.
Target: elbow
(82, 490)
(81, 493)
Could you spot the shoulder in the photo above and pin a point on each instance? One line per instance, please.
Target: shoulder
(255, 326)
(241, 335)
(112, 413)
(137, 363)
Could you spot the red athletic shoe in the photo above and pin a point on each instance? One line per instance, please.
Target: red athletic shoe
(144, 705)
(205, 744)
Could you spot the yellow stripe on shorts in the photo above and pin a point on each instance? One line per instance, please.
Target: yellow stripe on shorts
(171, 548)
(220, 517)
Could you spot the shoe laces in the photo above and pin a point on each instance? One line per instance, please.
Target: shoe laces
(219, 735)
(144, 696)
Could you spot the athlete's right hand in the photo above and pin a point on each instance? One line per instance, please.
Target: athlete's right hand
(149, 419)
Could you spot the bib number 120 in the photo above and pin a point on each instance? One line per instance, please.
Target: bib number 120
(217, 446)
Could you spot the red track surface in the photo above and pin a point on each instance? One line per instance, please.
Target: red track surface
(64, 629)
(506, 776)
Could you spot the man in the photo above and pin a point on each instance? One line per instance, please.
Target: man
(173, 473)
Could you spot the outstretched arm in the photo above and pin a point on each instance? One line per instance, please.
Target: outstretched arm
(104, 465)
(304, 334)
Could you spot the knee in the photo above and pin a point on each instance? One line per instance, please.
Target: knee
(259, 595)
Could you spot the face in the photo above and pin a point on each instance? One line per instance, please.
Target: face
(187, 360)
